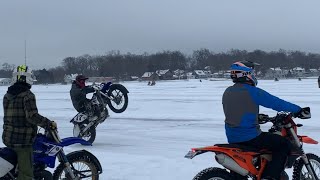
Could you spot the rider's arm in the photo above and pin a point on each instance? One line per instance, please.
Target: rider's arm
(87, 89)
(268, 100)
(32, 114)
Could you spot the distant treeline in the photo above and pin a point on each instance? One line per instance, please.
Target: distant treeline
(120, 65)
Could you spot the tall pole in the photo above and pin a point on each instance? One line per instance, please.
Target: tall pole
(25, 52)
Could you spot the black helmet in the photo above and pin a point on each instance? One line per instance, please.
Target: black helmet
(81, 77)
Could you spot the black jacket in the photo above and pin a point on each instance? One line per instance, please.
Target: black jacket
(78, 96)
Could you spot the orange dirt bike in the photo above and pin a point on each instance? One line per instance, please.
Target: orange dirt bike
(243, 162)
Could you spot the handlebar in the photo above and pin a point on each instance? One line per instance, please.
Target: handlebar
(53, 133)
(263, 118)
(96, 87)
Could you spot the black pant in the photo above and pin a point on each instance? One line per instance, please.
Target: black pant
(280, 148)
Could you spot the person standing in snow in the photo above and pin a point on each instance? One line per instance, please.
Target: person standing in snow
(21, 119)
(241, 103)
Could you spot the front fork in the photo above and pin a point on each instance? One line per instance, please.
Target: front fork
(309, 167)
(303, 156)
(68, 170)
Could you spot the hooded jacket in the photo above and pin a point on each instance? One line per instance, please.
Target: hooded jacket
(78, 96)
(21, 116)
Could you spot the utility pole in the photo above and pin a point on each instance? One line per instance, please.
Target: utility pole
(25, 52)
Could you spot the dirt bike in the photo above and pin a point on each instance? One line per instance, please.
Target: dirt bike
(113, 95)
(243, 162)
(47, 147)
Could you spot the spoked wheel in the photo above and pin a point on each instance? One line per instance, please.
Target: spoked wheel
(82, 168)
(43, 175)
(89, 135)
(213, 173)
(118, 99)
(300, 171)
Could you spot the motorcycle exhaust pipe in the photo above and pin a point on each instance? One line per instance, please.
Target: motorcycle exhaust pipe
(230, 164)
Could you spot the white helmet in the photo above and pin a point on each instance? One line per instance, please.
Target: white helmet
(23, 74)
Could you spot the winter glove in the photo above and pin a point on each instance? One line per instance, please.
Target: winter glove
(262, 118)
(53, 125)
(304, 113)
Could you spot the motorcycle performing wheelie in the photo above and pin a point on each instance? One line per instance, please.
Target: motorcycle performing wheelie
(243, 162)
(105, 94)
(47, 147)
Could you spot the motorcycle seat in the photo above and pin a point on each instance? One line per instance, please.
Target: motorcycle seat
(9, 155)
(239, 146)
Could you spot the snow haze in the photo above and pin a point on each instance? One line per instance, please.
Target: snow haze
(149, 140)
(58, 29)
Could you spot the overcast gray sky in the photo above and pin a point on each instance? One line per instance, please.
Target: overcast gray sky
(61, 28)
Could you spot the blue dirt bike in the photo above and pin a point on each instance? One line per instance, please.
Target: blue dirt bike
(47, 147)
(106, 94)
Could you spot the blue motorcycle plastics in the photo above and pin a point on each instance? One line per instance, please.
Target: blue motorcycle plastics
(45, 151)
(74, 140)
(105, 87)
(9, 155)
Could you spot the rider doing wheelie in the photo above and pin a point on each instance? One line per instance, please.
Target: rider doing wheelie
(78, 93)
(241, 108)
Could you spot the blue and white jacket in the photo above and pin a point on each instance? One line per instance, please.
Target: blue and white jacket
(241, 108)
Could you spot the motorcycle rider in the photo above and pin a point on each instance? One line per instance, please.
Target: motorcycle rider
(78, 93)
(241, 108)
(21, 119)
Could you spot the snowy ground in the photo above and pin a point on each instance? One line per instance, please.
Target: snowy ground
(149, 140)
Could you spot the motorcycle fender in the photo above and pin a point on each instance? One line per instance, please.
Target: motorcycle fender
(308, 140)
(73, 140)
(88, 154)
(119, 86)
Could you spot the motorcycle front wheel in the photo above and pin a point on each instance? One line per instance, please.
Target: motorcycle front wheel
(300, 171)
(118, 101)
(82, 167)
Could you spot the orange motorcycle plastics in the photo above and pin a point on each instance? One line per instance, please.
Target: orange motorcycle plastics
(241, 157)
(308, 140)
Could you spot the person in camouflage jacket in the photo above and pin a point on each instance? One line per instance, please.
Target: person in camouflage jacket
(21, 119)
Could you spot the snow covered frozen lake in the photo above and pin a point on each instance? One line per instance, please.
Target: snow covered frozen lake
(149, 140)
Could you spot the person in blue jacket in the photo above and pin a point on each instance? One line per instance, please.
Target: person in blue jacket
(241, 108)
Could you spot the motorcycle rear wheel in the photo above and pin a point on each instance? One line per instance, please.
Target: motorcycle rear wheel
(89, 136)
(300, 171)
(82, 166)
(43, 175)
(213, 173)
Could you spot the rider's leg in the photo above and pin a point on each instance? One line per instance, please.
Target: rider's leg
(280, 148)
(25, 165)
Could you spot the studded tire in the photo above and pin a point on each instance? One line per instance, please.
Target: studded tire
(213, 173)
(300, 169)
